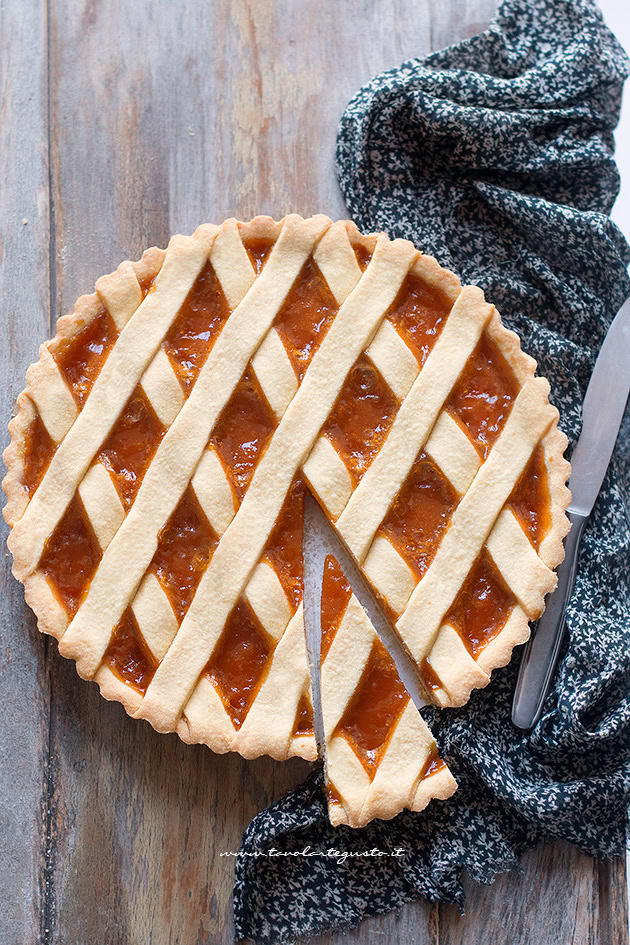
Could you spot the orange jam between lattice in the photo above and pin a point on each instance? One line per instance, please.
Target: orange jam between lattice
(147, 284)
(419, 314)
(303, 718)
(482, 606)
(433, 764)
(380, 696)
(483, 395)
(258, 250)
(38, 452)
(361, 417)
(131, 445)
(195, 329)
(305, 317)
(429, 676)
(284, 545)
(185, 546)
(336, 593)
(243, 430)
(530, 499)
(70, 556)
(420, 513)
(479, 612)
(374, 709)
(363, 256)
(81, 357)
(332, 794)
(128, 656)
(238, 663)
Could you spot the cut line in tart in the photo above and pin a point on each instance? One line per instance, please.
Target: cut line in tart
(160, 453)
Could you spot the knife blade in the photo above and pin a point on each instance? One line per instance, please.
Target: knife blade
(319, 541)
(602, 412)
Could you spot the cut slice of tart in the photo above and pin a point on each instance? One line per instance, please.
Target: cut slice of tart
(380, 756)
(161, 449)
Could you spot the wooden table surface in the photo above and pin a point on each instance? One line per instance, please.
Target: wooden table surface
(123, 121)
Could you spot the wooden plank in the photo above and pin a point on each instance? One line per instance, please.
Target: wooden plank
(25, 306)
(613, 901)
(142, 821)
(458, 19)
(417, 923)
(562, 896)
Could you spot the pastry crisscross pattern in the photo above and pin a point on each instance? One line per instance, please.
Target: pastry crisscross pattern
(360, 281)
(397, 765)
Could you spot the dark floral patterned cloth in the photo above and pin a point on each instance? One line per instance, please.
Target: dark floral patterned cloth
(496, 156)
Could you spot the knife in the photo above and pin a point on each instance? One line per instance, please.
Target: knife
(602, 413)
(319, 541)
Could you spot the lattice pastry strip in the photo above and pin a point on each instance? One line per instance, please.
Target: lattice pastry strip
(264, 592)
(271, 725)
(113, 387)
(61, 385)
(380, 756)
(97, 490)
(475, 515)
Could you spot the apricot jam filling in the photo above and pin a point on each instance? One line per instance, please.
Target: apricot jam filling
(131, 445)
(482, 606)
(284, 546)
(238, 663)
(243, 430)
(147, 284)
(305, 317)
(361, 418)
(433, 764)
(185, 546)
(429, 676)
(530, 500)
(39, 448)
(483, 395)
(81, 357)
(71, 556)
(258, 250)
(303, 718)
(128, 656)
(336, 594)
(420, 513)
(332, 794)
(418, 314)
(374, 709)
(196, 327)
(363, 254)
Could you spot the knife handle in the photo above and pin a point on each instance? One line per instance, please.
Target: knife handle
(541, 653)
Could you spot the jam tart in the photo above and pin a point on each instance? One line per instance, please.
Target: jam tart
(162, 447)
